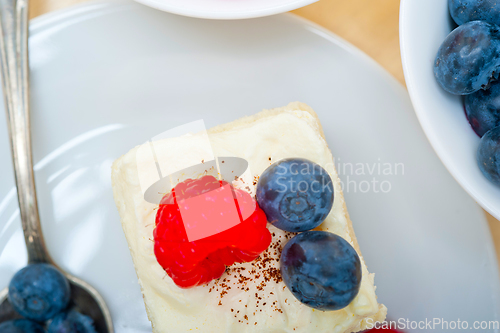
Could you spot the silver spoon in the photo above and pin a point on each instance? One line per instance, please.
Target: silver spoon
(15, 83)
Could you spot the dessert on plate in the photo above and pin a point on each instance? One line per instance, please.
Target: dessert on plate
(239, 274)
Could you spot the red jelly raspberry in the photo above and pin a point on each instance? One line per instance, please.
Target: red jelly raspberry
(204, 225)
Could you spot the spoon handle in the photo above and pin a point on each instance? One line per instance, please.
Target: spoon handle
(15, 84)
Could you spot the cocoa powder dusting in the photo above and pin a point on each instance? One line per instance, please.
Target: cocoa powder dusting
(264, 272)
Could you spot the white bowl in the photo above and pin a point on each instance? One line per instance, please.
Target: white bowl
(424, 24)
(226, 9)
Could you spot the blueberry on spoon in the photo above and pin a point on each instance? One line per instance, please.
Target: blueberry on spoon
(71, 322)
(21, 326)
(39, 291)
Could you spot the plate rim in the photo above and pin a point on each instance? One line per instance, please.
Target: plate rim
(104, 6)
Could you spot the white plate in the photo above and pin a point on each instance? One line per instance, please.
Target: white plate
(107, 76)
(441, 114)
(226, 9)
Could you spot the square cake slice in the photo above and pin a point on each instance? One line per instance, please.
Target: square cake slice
(251, 296)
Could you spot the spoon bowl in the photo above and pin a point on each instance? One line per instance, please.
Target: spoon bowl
(84, 298)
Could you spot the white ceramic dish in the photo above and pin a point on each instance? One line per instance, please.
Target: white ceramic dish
(107, 76)
(441, 114)
(226, 9)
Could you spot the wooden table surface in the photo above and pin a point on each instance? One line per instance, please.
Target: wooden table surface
(371, 25)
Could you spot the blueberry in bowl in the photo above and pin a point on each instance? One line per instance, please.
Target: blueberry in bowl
(21, 326)
(441, 114)
(39, 291)
(464, 11)
(469, 58)
(488, 155)
(483, 109)
(296, 194)
(321, 269)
